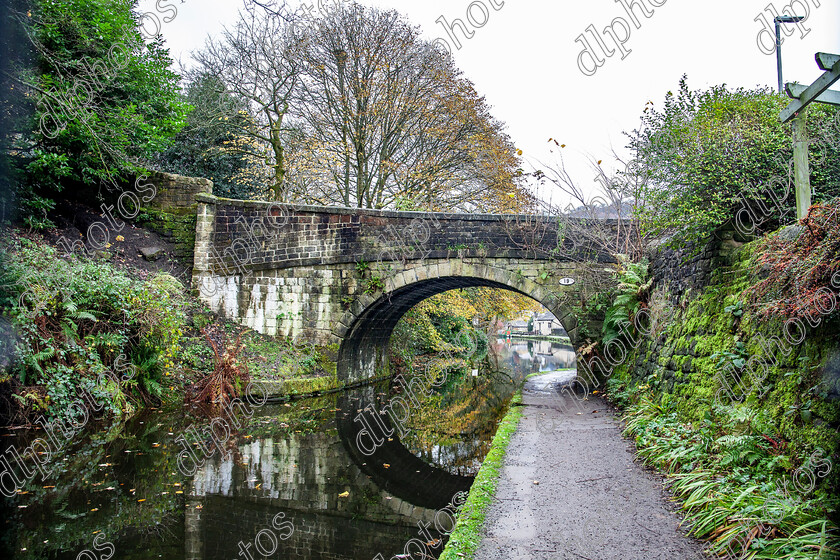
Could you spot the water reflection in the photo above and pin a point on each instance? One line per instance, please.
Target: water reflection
(300, 460)
(524, 357)
(338, 511)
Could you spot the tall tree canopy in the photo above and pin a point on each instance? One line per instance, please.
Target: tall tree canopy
(214, 143)
(393, 119)
(102, 98)
(259, 61)
(355, 109)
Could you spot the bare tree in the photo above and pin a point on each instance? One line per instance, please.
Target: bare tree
(258, 60)
(605, 223)
(392, 121)
(354, 109)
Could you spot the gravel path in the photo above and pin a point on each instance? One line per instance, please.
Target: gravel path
(592, 501)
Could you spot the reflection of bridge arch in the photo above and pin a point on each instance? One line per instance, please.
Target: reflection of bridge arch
(392, 466)
(365, 330)
(363, 352)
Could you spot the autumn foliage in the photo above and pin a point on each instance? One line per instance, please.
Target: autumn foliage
(802, 275)
(225, 382)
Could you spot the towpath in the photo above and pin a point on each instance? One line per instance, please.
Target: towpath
(570, 489)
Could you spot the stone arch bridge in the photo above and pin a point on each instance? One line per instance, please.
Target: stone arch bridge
(344, 277)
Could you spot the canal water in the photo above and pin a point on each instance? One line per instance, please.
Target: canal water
(289, 482)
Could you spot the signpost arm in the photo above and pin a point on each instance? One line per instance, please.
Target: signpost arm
(812, 92)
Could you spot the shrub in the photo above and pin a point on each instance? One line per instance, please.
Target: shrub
(802, 274)
(76, 320)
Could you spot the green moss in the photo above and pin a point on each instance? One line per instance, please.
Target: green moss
(791, 396)
(307, 385)
(180, 227)
(328, 359)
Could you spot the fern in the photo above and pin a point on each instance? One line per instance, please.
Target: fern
(153, 387)
(34, 361)
(633, 285)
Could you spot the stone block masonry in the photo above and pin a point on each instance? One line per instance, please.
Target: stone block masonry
(172, 211)
(332, 274)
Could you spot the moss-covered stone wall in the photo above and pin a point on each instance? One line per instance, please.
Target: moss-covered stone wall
(172, 211)
(707, 346)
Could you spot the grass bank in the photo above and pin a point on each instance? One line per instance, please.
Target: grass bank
(464, 540)
(99, 328)
(727, 481)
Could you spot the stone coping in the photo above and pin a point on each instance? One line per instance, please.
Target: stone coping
(341, 210)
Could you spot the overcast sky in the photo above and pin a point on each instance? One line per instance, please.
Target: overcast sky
(524, 58)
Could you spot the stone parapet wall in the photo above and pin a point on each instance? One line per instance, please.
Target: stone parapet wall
(172, 211)
(270, 236)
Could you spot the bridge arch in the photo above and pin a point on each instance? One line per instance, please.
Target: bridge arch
(292, 271)
(363, 333)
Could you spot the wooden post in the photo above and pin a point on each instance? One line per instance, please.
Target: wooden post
(801, 167)
(795, 111)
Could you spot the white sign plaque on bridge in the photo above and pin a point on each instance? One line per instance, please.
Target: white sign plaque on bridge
(567, 281)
